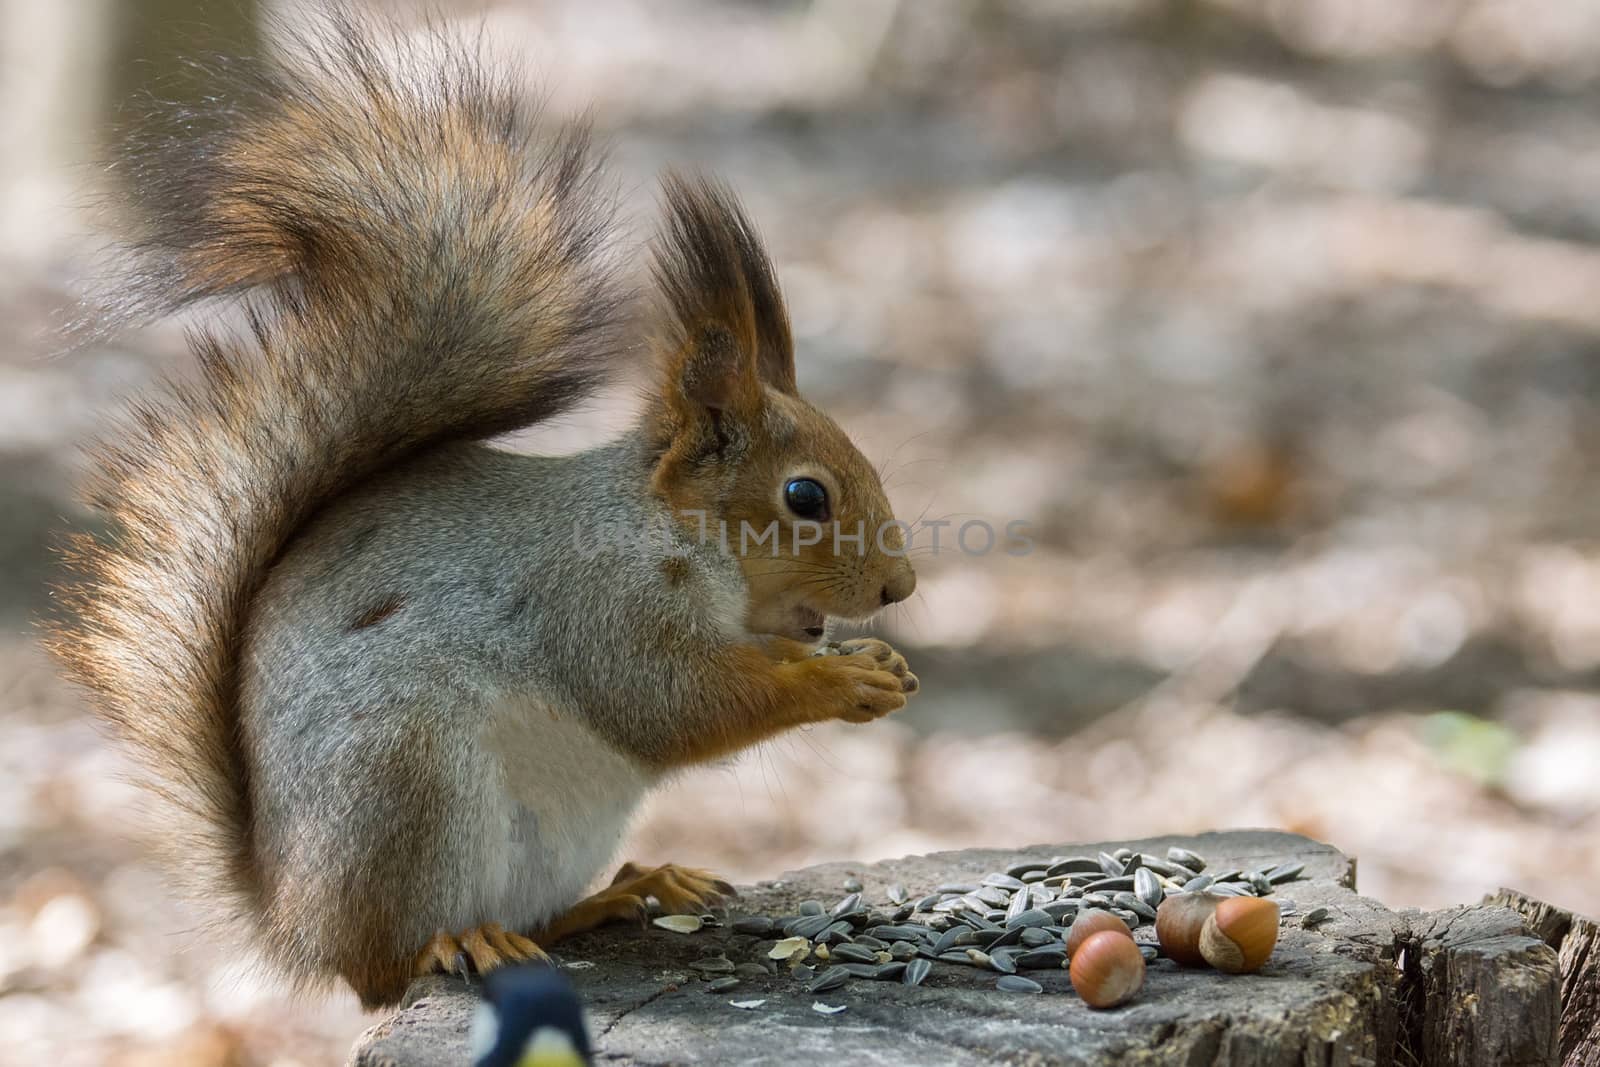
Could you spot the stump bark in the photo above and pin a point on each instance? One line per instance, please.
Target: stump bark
(1576, 940)
(1366, 986)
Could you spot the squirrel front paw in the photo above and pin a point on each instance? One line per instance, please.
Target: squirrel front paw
(868, 679)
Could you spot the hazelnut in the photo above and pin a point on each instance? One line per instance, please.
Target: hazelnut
(1240, 934)
(1091, 922)
(1107, 969)
(1179, 920)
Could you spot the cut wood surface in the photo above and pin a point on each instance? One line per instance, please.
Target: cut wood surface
(1366, 986)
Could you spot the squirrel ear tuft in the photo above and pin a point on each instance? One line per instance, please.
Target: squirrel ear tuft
(713, 274)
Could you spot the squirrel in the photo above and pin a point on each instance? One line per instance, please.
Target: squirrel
(401, 691)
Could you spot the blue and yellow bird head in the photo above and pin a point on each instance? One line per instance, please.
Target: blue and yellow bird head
(529, 1017)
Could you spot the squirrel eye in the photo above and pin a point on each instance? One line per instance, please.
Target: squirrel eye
(807, 499)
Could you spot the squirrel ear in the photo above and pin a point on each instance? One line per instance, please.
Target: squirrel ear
(711, 268)
(716, 375)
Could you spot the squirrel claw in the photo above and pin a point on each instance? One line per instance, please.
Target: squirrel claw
(475, 952)
(680, 891)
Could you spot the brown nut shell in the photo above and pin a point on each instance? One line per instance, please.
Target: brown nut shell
(1179, 921)
(1240, 935)
(1091, 922)
(1107, 969)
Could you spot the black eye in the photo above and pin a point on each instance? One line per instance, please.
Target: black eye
(806, 499)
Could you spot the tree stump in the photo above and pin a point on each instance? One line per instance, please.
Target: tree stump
(1365, 986)
(1576, 939)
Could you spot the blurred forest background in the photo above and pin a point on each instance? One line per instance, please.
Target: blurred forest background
(1279, 320)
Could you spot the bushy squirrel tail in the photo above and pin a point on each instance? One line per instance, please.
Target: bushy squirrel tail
(417, 261)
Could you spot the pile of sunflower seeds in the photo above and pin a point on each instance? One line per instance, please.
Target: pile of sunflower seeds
(1006, 921)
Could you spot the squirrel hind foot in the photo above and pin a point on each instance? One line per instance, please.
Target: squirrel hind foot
(478, 950)
(679, 890)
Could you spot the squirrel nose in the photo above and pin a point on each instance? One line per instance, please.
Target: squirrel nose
(899, 587)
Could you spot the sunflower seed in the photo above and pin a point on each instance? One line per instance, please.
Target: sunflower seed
(1259, 883)
(832, 978)
(1313, 917)
(1026, 867)
(902, 951)
(1038, 959)
(1015, 983)
(897, 933)
(1197, 883)
(1130, 902)
(806, 926)
(868, 941)
(853, 954)
(1004, 881)
(861, 970)
(889, 971)
(896, 894)
(811, 907)
(790, 948)
(1075, 865)
(927, 902)
(833, 933)
(1285, 872)
(759, 925)
(953, 938)
(985, 938)
(849, 904)
(993, 896)
(954, 956)
(978, 957)
(679, 924)
(1150, 953)
(1004, 961)
(1036, 936)
(916, 971)
(955, 887)
(1109, 864)
(1233, 874)
(1163, 868)
(851, 885)
(1032, 917)
(999, 939)
(722, 985)
(1061, 909)
(753, 970)
(1132, 863)
(804, 972)
(1192, 860)
(1110, 885)
(713, 965)
(1148, 887)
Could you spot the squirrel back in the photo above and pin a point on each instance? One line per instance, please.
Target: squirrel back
(418, 261)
